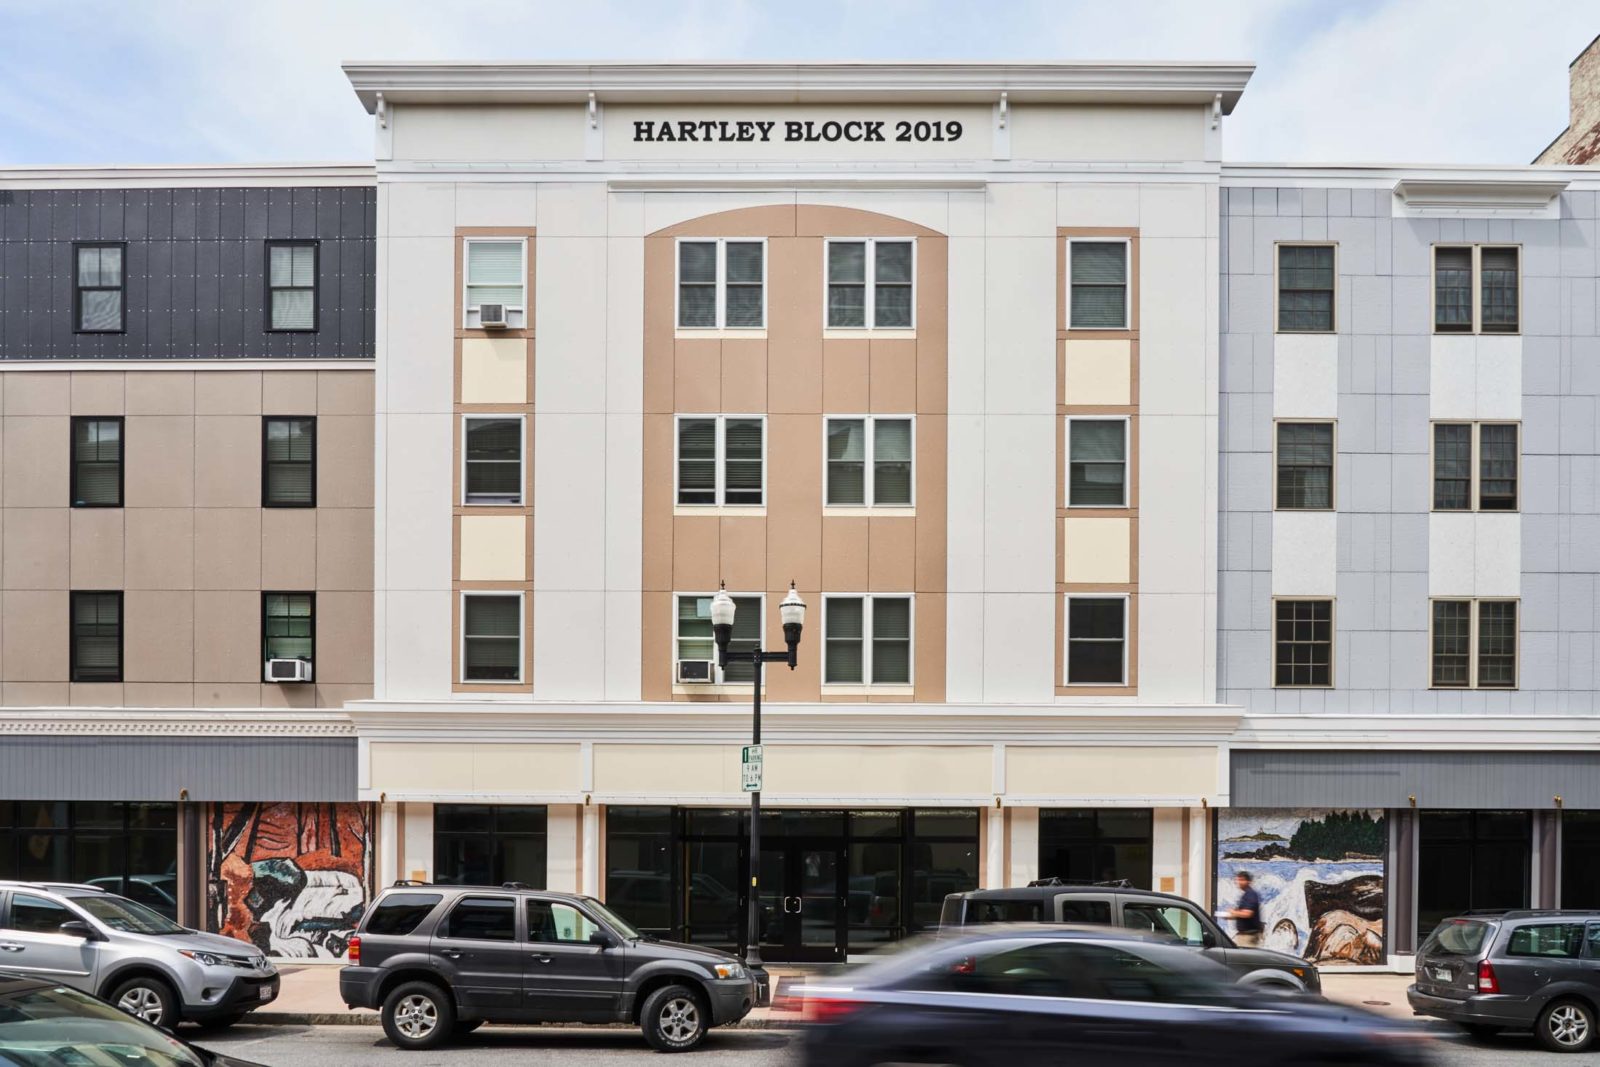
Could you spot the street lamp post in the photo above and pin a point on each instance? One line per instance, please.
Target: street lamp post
(792, 611)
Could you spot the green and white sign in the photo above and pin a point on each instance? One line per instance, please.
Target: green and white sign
(750, 765)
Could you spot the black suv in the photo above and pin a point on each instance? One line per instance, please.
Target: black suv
(1119, 904)
(1514, 970)
(441, 960)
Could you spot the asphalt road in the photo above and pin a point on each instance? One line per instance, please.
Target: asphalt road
(361, 1046)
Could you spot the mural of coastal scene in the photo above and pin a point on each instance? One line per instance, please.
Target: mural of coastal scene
(1319, 875)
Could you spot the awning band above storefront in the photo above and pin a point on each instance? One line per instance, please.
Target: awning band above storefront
(167, 768)
(1436, 779)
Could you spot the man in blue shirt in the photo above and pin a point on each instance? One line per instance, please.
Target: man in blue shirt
(1246, 914)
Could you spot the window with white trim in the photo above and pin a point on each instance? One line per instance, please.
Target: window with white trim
(869, 461)
(1474, 644)
(866, 640)
(693, 639)
(496, 273)
(1302, 644)
(722, 284)
(1476, 289)
(871, 284)
(491, 637)
(1305, 466)
(491, 459)
(1097, 640)
(1097, 463)
(722, 460)
(1475, 466)
(1097, 280)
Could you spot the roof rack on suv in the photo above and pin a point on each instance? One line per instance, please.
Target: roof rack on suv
(515, 885)
(400, 882)
(55, 885)
(1530, 913)
(1051, 882)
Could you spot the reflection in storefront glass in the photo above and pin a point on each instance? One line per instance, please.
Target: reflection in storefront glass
(126, 848)
(715, 916)
(639, 867)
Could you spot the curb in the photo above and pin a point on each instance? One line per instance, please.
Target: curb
(364, 1018)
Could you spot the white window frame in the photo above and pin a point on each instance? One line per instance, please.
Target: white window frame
(1473, 603)
(1476, 248)
(1127, 281)
(1066, 638)
(1475, 474)
(870, 503)
(871, 285)
(866, 682)
(522, 460)
(469, 310)
(522, 637)
(1127, 460)
(718, 681)
(721, 285)
(720, 504)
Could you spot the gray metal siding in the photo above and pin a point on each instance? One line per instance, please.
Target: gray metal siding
(158, 768)
(1367, 779)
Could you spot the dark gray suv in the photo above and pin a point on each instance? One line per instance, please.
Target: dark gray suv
(1514, 970)
(440, 960)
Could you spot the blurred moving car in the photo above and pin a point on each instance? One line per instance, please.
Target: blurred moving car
(45, 1024)
(1012, 994)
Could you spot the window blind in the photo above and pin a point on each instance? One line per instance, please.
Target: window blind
(292, 280)
(742, 454)
(288, 625)
(99, 280)
(1452, 289)
(695, 639)
(745, 268)
(891, 291)
(1498, 267)
(494, 460)
(1098, 472)
(697, 284)
(491, 630)
(1452, 466)
(96, 637)
(891, 461)
(697, 461)
(844, 656)
(891, 640)
(1099, 272)
(290, 453)
(1305, 466)
(847, 283)
(494, 273)
(97, 459)
(1305, 288)
(847, 457)
(1497, 467)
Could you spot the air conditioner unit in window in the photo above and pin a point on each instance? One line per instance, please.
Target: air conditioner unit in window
(288, 670)
(492, 316)
(695, 671)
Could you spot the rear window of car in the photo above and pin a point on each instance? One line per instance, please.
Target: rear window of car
(1004, 911)
(399, 913)
(482, 919)
(1457, 937)
(1561, 940)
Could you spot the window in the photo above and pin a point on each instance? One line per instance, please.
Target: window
(1471, 861)
(1097, 640)
(1171, 919)
(876, 444)
(1551, 940)
(721, 459)
(1305, 288)
(292, 286)
(1463, 637)
(495, 275)
(849, 658)
(1303, 643)
(1490, 481)
(98, 285)
(722, 285)
(870, 284)
(694, 640)
(492, 457)
(491, 637)
(482, 919)
(1097, 463)
(127, 848)
(97, 637)
(289, 462)
(36, 915)
(1305, 466)
(1475, 289)
(288, 625)
(1096, 845)
(96, 462)
(399, 913)
(1097, 274)
(483, 844)
(551, 922)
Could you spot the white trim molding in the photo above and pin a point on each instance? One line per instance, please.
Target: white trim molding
(177, 722)
(1526, 198)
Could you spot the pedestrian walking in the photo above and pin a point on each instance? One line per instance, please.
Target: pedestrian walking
(1246, 914)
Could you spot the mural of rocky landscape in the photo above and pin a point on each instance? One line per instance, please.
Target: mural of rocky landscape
(1320, 876)
(289, 878)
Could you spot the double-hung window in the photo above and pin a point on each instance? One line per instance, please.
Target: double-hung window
(1097, 640)
(869, 461)
(96, 462)
(1305, 466)
(289, 461)
(867, 640)
(1305, 288)
(1097, 277)
(1476, 289)
(99, 284)
(491, 637)
(496, 274)
(722, 460)
(722, 284)
(1097, 463)
(1474, 644)
(1475, 466)
(492, 459)
(96, 625)
(1302, 643)
(694, 641)
(288, 626)
(292, 286)
(871, 284)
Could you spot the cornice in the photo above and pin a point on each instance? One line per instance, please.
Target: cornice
(207, 175)
(156, 722)
(1499, 733)
(1486, 194)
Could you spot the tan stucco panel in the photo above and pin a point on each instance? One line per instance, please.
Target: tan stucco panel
(1096, 550)
(494, 370)
(491, 767)
(1106, 772)
(1097, 372)
(930, 771)
(666, 769)
(494, 548)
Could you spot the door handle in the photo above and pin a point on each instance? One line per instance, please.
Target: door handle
(450, 953)
(10, 946)
(545, 957)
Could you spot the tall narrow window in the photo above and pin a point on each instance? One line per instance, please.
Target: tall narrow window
(1303, 643)
(1097, 640)
(1452, 643)
(891, 275)
(289, 462)
(891, 640)
(1097, 463)
(99, 283)
(867, 640)
(96, 637)
(491, 637)
(1452, 290)
(697, 284)
(96, 462)
(1305, 466)
(1452, 466)
(694, 640)
(493, 459)
(1474, 644)
(744, 279)
(1305, 288)
(1497, 466)
(721, 460)
(1475, 466)
(1498, 281)
(869, 461)
(1497, 644)
(871, 283)
(1099, 281)
(292, 285)
(495, 275)
(288, 626)
(743, 452)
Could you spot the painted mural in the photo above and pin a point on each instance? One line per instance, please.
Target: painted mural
(289, 878)
(1320, 876)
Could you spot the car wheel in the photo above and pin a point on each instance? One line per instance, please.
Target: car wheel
(674, 1019)
(418, 1015)
(1566, 1026)
(149, 999)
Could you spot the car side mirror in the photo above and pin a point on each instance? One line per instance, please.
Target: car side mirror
(603, 939)
(78, 928)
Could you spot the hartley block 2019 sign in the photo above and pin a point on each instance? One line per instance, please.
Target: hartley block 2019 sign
(795, 131)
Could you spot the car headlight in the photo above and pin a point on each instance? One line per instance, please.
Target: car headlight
(729, 970)
(205, 959)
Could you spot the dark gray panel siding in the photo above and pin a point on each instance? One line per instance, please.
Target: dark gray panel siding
(157, 768)
(1366, 779)
(195, 265)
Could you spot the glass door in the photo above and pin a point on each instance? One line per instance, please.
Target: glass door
(802, 896)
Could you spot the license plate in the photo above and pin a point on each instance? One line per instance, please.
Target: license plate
(1441, 974)
(267, 992)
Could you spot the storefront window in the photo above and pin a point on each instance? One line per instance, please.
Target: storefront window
(716, 914)
(639, 867)
(1095, 844)
(944, 860)
(1470, 861)
(1580, 859)
(125, 848)
(482, 844)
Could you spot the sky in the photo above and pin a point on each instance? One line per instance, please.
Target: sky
(226, 81)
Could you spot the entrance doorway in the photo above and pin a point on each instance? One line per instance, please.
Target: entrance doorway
(803, 901)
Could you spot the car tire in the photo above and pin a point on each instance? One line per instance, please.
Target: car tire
(674, 1019)
(149, 999)
(1566, 1026)
(418, 1015)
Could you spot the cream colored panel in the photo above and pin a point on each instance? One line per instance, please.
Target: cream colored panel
(666, 769)
(872, 771)
(489, 132)
(458, 768)
(494, 548)
(1109, 131)
(513, 768)
(1097, 372)
(1096, 773)
(419, 768)
(1096, 550)
(781, 142)
(494, 370)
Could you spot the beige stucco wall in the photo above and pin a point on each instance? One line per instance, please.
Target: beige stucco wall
(1110, 772)
(501, 768)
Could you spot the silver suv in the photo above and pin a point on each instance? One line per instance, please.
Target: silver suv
(138, 959)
